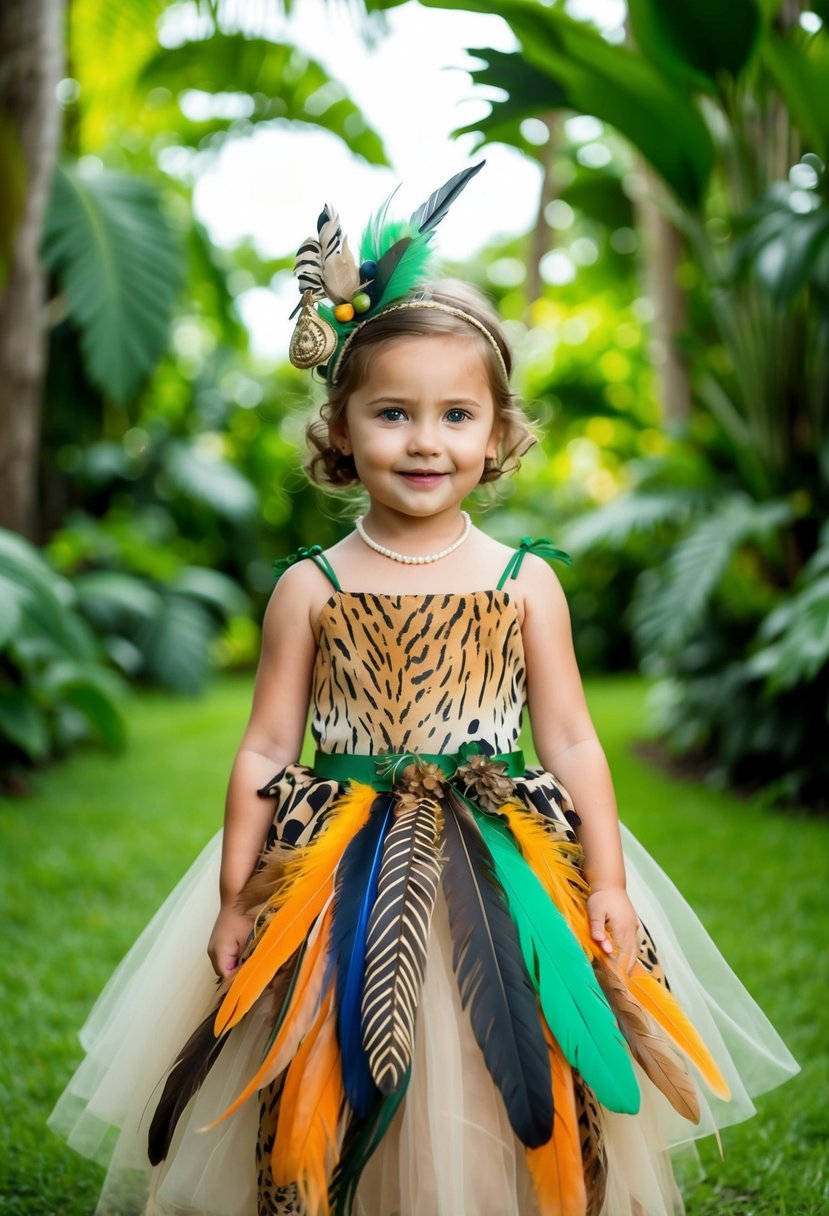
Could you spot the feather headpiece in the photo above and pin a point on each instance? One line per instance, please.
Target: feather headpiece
(395, 258)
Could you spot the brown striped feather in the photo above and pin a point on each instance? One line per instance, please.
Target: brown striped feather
(397, 941)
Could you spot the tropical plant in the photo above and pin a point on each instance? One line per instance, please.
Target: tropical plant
(728, 110)
(119, 224)
(55, 689)
(159, 632)
(108, 244)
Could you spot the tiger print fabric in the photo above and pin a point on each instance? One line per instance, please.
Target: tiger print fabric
(418, 671)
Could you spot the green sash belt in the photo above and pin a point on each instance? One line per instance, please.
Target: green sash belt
(381, 771)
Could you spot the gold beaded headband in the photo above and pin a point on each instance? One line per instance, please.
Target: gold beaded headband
(418, 302)
(395, 259)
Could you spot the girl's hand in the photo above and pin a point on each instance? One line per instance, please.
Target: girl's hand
(613, 923)
(227, 941)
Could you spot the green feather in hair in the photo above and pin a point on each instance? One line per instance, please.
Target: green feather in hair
(395, 261)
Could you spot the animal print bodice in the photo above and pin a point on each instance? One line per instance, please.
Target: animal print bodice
(426, 672)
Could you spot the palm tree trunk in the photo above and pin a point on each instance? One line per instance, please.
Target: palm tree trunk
(662, 249)
(31, 58)
(540, 238)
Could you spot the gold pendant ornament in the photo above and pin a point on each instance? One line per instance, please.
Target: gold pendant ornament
(313, 340)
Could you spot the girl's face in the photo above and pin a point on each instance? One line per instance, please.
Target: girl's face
(421, 424)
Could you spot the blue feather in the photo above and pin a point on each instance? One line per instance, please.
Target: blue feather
(354, 893)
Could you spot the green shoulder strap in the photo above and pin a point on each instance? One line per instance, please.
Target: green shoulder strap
(544, 547)
(317, 557)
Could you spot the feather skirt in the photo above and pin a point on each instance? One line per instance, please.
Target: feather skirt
(451, 1146)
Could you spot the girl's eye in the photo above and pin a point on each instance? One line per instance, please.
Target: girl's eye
(392, 414)
(456, 415)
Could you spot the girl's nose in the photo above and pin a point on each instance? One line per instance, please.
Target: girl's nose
(424, 440)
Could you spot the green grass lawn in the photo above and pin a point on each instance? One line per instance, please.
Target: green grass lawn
(89, 856)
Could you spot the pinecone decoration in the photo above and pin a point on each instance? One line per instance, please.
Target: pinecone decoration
(423, 780)
(487, 783)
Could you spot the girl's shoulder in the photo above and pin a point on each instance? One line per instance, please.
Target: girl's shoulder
(533, 556)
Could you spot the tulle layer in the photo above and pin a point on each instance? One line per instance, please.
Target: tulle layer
(450, 1148)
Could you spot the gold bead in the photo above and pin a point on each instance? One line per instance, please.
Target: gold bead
(344, 312)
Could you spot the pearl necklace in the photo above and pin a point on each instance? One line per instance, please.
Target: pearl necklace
(408, 558)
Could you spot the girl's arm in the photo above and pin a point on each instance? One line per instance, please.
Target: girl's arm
(272, 739)
(568, 747)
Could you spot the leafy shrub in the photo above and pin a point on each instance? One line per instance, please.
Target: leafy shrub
(157, 617)
(55, 690)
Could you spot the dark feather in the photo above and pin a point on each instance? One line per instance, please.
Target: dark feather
(430, 213)
(197, 1057)
(355, 890)
(192, 1065)
(386, 267)
(492, 977)
(361, 1139)
(397, 942)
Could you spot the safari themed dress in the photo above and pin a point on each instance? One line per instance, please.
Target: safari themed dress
(421, 1024)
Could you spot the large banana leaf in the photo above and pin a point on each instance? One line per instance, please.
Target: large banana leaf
(108, 244)
(530, 92)
(696, 40)
(613, 83)
(280, 80)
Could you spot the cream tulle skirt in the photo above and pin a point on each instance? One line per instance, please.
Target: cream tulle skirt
(450, 1150)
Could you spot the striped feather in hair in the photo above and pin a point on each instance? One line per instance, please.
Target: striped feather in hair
(308, 267)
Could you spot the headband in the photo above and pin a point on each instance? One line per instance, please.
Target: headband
(417, 302)
(395, 262)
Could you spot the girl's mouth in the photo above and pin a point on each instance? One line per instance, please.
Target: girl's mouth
(424, 478)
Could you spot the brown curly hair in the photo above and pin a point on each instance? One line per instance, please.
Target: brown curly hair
(331, 468)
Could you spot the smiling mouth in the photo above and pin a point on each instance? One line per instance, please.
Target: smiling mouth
(424, 479)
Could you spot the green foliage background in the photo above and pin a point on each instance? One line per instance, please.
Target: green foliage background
(170, 455)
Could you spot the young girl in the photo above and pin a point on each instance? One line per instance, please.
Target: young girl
(453, 990)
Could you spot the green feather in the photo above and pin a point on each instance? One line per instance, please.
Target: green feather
(412, 270)
(381, 233)
(572, 1002)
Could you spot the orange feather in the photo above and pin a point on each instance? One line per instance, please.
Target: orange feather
(308, 881)
(668, 1013)
(304, 1005)
(556, 1167)
(310, 1126)
(552, 861)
